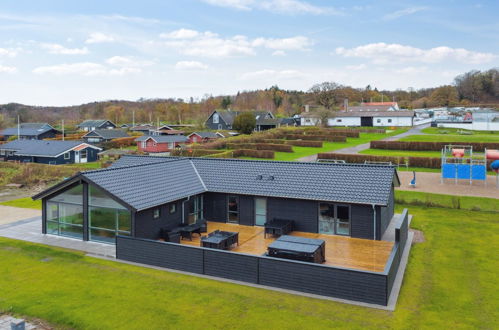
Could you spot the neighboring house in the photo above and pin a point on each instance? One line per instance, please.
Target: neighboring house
(164, 130)
(103, 135)
(226, 134)
(372, 118)
(160, 143)
(31, 131)
(144, 128)
(49, 152)
(91, 124)
(199, 137)
(224, 119)
(375, 106)
(310, 119)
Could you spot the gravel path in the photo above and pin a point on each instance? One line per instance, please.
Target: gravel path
(358, 148)
(9, 214)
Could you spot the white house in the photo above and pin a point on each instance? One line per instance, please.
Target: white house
(372, 118)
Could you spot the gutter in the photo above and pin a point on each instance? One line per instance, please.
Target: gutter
(374, 220)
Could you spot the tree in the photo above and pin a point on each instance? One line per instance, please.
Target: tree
(444, 96)
(244, 123)
(327, 94)
(324, 115)
(226, 102)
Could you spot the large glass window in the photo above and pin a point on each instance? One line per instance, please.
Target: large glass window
(233, 209)
(334, 219)
(64, 213)
(195, 209)
(107, 218)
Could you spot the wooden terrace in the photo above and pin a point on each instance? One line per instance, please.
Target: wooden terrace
(341, 251)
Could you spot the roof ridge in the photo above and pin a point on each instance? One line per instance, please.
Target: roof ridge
(197, 173)
(128, 166)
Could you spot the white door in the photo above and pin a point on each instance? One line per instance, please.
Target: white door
(260, 211)
(77, 156)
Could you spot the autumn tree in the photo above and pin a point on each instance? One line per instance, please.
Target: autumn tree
(444, 96)
(327, 94)
(244, 123)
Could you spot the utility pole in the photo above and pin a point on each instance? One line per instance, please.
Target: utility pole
(133, 118)
(18, 128)
(63, 130)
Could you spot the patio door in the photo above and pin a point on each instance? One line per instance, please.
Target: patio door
(260, 211)
(195, 210)
(334, 219)
(77, 156)
(233, 207)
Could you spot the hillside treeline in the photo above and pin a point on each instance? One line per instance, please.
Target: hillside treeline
(471, 88)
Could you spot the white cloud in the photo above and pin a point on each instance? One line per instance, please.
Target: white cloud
(209, 44)
(279, 53)
(180, 34)
(190, 65)
(293, 43)
(382, 53)
(127, 61)
(7, 69)
(275, 6)
(412, 70)
(99, 37)
(84, 69)
(9, 52)
(61, 50)
(403, 12)
(269, 73)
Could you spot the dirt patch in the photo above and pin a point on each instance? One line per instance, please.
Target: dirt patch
(418, 236)
(7, 194)
(31, 323)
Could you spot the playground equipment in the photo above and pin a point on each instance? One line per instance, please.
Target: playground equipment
(459, 163)
(495, 168)
(413, 181)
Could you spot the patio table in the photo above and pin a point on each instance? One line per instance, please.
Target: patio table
(221, 240)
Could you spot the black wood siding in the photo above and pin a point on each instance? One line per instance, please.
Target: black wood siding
(362, 221)
(304, 213)
(174, 256)
(342, 283)
(215, 207)
(247, 210)
(148, 227)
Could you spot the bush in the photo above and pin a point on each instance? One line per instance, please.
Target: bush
(225, 154)
(244, 123)
(299, 143)
(427, 162)
(194, 152)
(261, 146)
(357, 158)
(120, 143)
(429, 146)
(267, 154)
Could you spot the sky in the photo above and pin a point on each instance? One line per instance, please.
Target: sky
(59, 52)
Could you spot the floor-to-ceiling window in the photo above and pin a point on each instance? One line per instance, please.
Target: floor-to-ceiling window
(64, 213)
(233, 207)
(106, 217)
(334, 219)
(195, 209)
(260, 211)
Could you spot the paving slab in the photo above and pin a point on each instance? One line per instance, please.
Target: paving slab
(9, 214)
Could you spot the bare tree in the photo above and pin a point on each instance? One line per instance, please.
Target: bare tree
(327, 94)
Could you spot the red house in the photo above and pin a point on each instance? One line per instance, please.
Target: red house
(160, 143)
(199, 137)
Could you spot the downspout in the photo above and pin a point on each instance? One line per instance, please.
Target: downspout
(183, 208)
(374, 211)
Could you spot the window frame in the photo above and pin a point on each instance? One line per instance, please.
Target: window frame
(67, 156)
(156, 213)
(172, 208)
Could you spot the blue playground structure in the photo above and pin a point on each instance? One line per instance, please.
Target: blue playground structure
(460, 163)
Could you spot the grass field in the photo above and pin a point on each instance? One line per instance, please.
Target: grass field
(299, 152)
(26, 203)
(401, 153)
(458, 131)
(452, 138)
(450, 282)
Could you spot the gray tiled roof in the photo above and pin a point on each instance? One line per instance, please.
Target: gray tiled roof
(209, 135)
(229, 115)
(108, 133)
(146, 186)
(144, 182)
(163, 138)
(28, 129)
(399, 113)
(93, 123)
(40, 147)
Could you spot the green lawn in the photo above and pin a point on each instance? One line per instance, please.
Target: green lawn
(401, 153)
(452, 138)
(447, 201)
(459, 131)
(84, 166)
(26, 203)
(450, 282)
(299, 152)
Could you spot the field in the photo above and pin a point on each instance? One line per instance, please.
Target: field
(450, 282)
(26, 202)
(299, 152)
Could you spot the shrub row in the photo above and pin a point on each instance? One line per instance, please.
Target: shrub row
(426, 162)
(347, 133)
(261, 146)
(194, 152)
(429, 146)
(267, 154)
(225, 154)
(317, 138)
(300, 143)
(119, 143)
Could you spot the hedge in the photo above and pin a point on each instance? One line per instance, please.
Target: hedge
(429, 146)
(225, 154)
(426, 162)
(267, 154)
(119, 143)
(317, 138)
(194, 152)
(299, 143)
(261, 146)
